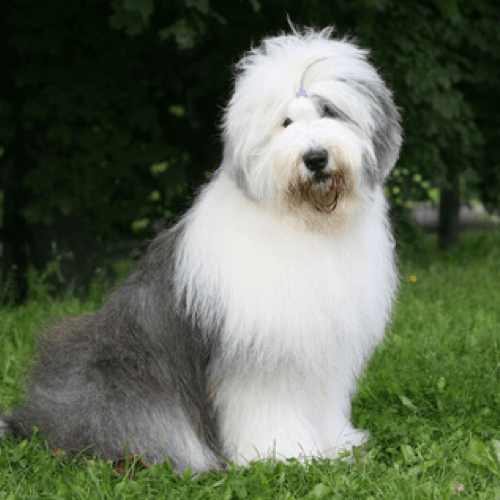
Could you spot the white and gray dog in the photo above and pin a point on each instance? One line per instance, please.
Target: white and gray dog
(245, 326)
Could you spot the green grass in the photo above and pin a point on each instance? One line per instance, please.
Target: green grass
(430, 397)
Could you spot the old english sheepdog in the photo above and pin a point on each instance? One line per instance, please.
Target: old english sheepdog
(243, 330)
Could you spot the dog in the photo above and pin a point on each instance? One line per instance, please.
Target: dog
(242, 332)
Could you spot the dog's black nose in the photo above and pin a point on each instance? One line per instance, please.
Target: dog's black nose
(315, 159)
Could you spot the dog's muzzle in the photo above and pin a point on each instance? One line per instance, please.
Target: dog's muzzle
(321, 189)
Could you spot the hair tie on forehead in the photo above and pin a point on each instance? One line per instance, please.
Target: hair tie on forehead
(302, 93)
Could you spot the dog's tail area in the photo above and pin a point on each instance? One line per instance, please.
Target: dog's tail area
(8, 423)
(4, 427)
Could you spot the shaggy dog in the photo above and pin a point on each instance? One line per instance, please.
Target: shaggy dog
(245, 326)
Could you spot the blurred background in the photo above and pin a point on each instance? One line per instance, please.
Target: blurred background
(109, 114)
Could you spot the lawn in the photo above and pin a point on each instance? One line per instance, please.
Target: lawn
(430, 397)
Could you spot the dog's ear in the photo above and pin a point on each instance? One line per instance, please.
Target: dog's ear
(387, 137)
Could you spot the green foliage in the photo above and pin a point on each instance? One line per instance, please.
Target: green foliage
(132, 15)
(39, 285)
(431, 60)
(86, 114)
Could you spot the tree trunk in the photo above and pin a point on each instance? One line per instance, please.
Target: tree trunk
(14, 258)
(449, 210)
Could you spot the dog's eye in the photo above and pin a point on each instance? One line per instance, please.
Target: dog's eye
(329, 111)
(286, 122)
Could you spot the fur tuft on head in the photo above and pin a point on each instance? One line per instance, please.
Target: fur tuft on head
(300, 92)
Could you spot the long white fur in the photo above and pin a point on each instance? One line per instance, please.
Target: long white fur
(299, 314)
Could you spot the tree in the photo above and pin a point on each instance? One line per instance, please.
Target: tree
(78, 128)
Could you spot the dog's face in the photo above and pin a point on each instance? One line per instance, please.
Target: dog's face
(311, 126)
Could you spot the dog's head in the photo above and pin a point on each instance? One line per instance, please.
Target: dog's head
(311, 125)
